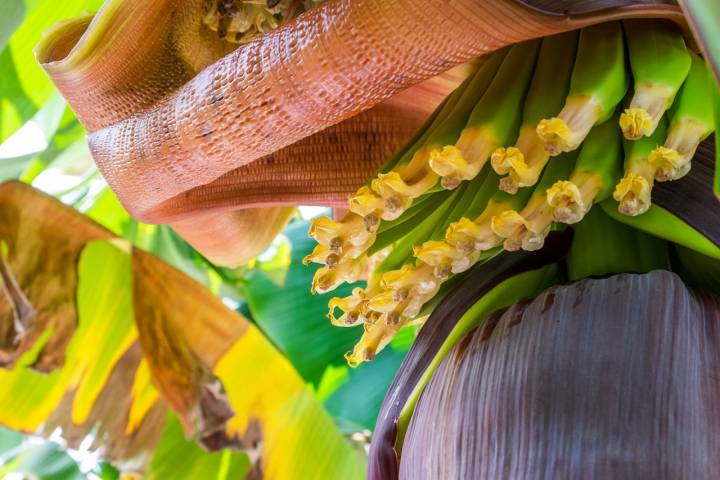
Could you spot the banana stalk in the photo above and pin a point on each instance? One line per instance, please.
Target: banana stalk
(599, 82)
(523, 162)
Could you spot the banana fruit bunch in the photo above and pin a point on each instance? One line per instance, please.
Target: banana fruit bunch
(539, 134)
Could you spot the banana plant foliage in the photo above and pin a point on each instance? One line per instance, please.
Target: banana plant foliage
(105, 338)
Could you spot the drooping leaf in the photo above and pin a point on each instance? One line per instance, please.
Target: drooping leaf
(44, 239)
(278, 420)
(90, 392)
(183, 331)
(148, 336)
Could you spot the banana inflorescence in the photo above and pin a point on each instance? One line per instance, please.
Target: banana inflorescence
(540, 133)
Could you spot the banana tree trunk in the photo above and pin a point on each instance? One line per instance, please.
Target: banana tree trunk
(611, 378)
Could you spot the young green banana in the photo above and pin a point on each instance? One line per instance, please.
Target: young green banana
(523, 162)
(634, 189)
(691, 121)
(343, 241)
(456, 253)
(465, 240)
(392, 193)
(599, 82)
(528, 228)
(494, 120)
(661, 223)
(597, 171)
(660, 61)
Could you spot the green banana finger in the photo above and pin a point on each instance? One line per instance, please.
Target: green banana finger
(392, 193)
(661, 223)
(493, 121)
(597, 171)
(691, 121)
(406, 176)
(524, 161)
(602, 246)
(660, 61)
(528, 228)
(599, 82)
(634, 189)
(397, 229)
(343, 242)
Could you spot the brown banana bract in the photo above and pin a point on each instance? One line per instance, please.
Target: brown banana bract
(176, 134)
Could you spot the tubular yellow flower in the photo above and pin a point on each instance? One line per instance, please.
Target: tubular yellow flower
(672, 160)
(522, 163)
(465, 159)
(463, 234)
(571, 199)
(375, 337)
(527, 229)
(633, 193)
(347, 271)
(669, 163)
(443, 257)
(354, 308)
(339, 240)
(636, 123)
(366, 202)
(405, 277)
(327, 231)
(512, 227)
(566, 132)
(398, 194)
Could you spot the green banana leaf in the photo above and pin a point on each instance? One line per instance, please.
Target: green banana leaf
(143, 327)
(704, 19)
(24, 88)
(9, 439)
(177, 457)
(294, 319)
(41, 461)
